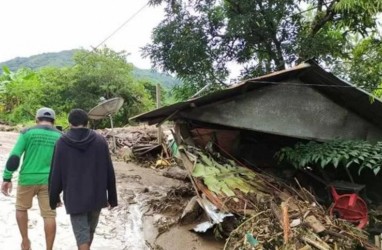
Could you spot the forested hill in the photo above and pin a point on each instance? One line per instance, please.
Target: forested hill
(64, 59)
(54, 59)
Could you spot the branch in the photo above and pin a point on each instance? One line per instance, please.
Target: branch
(319, 5)
(328, 16)
(236, 4)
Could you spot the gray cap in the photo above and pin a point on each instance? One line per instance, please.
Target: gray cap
(46, 113)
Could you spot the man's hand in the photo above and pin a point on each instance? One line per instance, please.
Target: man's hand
(6, 188)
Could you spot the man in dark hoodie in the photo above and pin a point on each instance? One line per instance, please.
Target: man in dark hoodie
(83, 170)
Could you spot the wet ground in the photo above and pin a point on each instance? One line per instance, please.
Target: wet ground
(145, 218)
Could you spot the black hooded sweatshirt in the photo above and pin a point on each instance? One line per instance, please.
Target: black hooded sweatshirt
(83, 170)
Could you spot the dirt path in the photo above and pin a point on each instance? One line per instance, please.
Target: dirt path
(149, 204)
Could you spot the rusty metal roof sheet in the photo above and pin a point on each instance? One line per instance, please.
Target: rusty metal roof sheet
(309, 72)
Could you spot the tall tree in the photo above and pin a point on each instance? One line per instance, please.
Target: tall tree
(198, 40)
(106, 73)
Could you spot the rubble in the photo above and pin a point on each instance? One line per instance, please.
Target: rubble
(174, 201)
(176, 173)
(8, 128)
(129, 136)
(277, 215)
(271, 213)
(134, 143)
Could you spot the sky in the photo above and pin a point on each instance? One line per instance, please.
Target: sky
(30, 27)
(33, 27)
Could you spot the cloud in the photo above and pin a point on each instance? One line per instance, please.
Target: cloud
(34, 27)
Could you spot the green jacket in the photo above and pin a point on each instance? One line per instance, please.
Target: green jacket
(36, 145)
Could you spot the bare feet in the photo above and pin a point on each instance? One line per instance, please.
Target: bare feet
(26, 245)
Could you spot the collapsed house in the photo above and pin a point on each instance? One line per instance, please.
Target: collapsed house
(302, 102)
(254, 119)
(251, 121)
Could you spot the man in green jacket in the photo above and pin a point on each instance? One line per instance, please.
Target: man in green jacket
(36, 146)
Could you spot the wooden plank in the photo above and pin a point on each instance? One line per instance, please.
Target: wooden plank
(312, 221)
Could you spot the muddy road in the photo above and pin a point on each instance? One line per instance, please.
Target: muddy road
(149, 207)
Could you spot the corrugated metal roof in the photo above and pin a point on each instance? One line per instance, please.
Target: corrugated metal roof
(310, 73)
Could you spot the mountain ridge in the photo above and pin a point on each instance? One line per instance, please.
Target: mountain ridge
(64, 59)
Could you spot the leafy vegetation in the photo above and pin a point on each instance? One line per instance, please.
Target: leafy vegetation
(337, 153)
(223, 178)
(366, 66)
(65, 59)
(20, 95)
(102, 73)
(198, 40)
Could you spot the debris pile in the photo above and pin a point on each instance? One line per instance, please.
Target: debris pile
(130, 136)
(7, 128)
(276, 215)
(135, 142)
(264, 212)
(174, 200)
(168, 207)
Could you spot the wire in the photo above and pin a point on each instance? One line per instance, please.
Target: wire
(115, 31)
(121, 26)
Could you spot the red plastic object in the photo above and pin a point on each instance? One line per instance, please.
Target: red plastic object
(349, 207)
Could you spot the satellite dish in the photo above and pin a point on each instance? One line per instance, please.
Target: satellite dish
(106, 109)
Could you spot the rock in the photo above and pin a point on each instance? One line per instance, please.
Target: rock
(191, 212)
(176, 173)
(7, 128)
(126, 154)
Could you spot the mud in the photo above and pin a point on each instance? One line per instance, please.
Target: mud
(146, 218)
